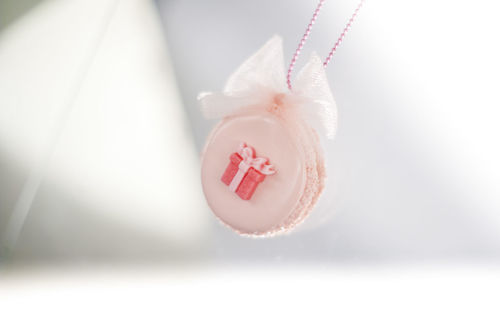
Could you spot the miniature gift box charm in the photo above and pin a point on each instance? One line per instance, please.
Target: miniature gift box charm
(245, 171)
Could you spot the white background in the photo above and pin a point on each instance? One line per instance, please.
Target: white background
(103, 149)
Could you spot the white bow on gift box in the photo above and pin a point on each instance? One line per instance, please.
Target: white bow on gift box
(262, 77)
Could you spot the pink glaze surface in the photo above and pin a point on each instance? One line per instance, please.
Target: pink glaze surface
(282, 199)
(276, 197)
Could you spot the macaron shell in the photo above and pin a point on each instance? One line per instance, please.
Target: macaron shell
(277, 196)
(315, 176)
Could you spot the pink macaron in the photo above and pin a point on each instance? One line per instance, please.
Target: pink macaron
(280, 199)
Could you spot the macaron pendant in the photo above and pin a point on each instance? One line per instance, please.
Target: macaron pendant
(262, 165)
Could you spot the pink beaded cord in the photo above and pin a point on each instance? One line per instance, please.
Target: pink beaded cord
(306, 36)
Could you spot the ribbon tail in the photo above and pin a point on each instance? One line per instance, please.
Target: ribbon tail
(215, 105)
(319, 108)
(322, 115)
(219, 105)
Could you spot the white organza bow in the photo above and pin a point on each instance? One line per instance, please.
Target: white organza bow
(261, 77)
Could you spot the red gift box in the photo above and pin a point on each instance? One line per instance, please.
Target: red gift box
(244, 172)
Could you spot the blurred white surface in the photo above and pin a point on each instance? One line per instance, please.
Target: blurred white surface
(306, 287)
(117, 168)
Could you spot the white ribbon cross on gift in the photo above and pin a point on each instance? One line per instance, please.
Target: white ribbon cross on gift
(249, 160)
(262, 77)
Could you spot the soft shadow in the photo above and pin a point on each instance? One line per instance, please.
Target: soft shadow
(60, 230)
(11, 10)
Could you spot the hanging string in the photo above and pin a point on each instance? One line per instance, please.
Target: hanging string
(306, 36)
